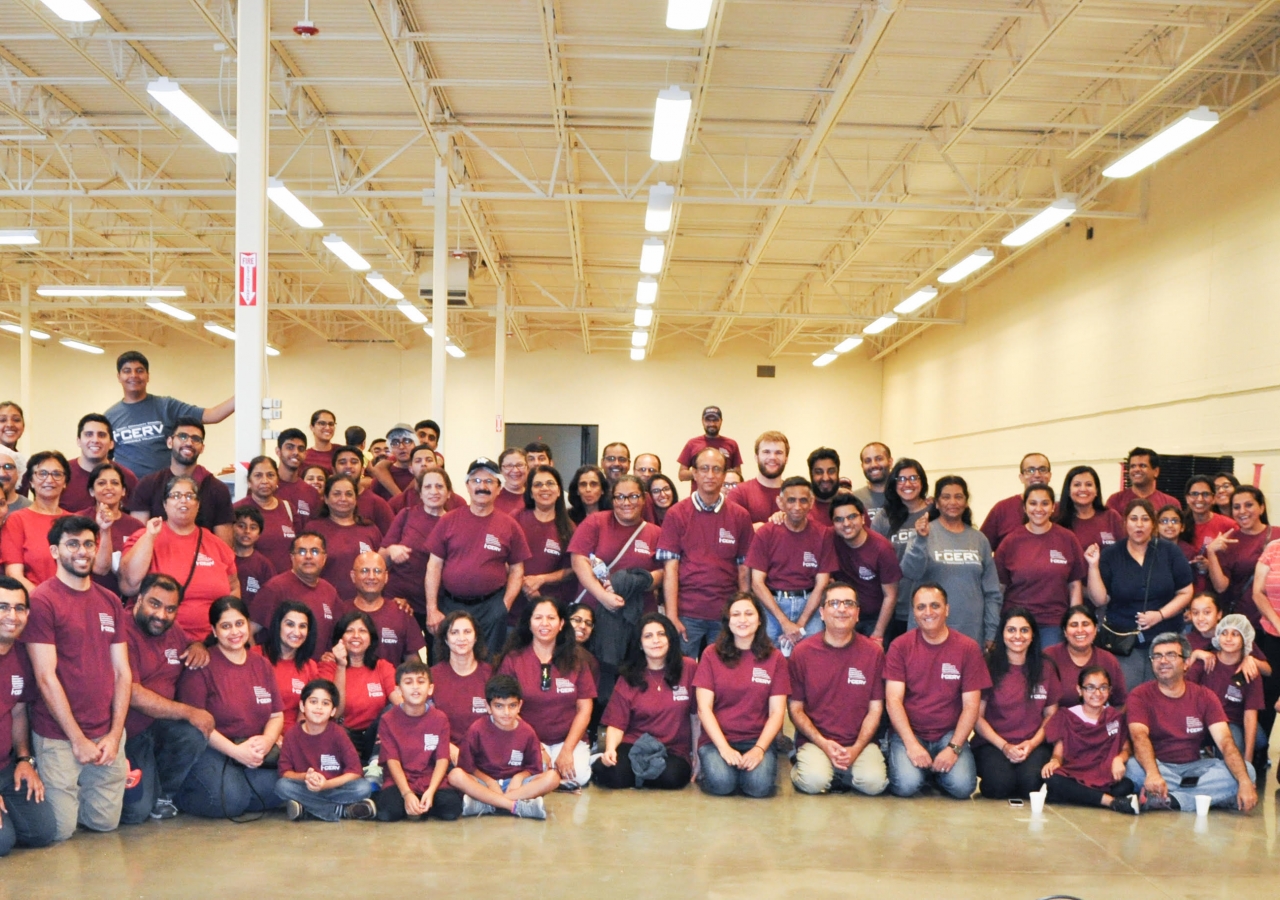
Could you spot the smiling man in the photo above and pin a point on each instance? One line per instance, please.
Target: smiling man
(397, 634)
(712, 418)
(759, 496)
(1144, 470)
(93, 437)
(824, 475)
(877, 460)
(185, 445)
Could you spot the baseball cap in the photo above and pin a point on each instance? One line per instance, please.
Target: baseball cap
(400, 428)
(483, 462)
(712, 411)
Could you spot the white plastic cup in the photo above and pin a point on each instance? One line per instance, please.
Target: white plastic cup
(1202, 804)
(1037, 804)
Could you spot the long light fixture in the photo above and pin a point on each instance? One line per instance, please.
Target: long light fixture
(272, 351)
(967, 266)
(220, 330)
(644, 317)
(290, 205)
(639, 338)
(847, 344)
(637, 354)
(920, 298)
(179, 314)
(20, 236)
(53, 290)
(1058, 211)
(880, 324)
(14, 328)
(192, 114)
(412, 313)
(1184, 130)
(670, 122)
(651, 254)
(657, 215)
(453, 349)
(647, 291)
(80, 345)
(688, 15)
(345, 252)
(825, 359)
(72, 10)
(388, 290)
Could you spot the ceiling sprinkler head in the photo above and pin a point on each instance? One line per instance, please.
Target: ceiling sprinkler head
(306, 29)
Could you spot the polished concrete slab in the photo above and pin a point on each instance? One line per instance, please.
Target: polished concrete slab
(650, 845)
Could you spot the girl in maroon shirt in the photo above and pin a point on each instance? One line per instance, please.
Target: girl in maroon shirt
(1090, 748)
(664, 494)
(346, 533)
(366, 684)
(460, 679)
(107, 488)
(547, 527)
(315, 476)
(1170, 526)
(404, 546)
(289, 644)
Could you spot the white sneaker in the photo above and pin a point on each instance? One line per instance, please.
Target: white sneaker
(529, 809)
(473, 807)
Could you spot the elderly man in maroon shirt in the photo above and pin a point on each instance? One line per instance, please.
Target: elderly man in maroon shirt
(302, 583)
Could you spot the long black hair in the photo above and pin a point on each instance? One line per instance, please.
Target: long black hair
(216, 609)
(564, 525)
(727, 650)
(567, 657)
(577, 509)
(947, 481)
(894, 508)
(1066, 515)
(370, 658)
(998, 655)
(633, 668)
(273, 647)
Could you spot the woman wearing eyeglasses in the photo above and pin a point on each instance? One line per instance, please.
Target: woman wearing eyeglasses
(515, 477)
(664, 494)
(1090, 749)
(24, 542)
(320, 453)
(906, 500)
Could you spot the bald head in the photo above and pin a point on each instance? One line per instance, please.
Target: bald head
(369, 573)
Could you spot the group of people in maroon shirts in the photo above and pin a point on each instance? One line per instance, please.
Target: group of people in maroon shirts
(380, 645)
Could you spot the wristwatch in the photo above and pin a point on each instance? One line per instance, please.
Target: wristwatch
(26, 759)
(955, 748)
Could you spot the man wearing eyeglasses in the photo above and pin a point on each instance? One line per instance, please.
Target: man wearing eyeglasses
(9, 477)
(392, 477)
(837, 700)
(515, 475)
(308, 554)
(395, 631)
(477, 559)
(185, 445)
(615, 461)
(1006, 516)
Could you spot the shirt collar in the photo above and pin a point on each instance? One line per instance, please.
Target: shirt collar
(702, 507)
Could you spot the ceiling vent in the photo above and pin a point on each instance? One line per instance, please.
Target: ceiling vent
(459, 282)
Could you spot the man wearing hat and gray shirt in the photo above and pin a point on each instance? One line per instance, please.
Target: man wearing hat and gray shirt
(477, 559)
(392, 478)
(710, 437)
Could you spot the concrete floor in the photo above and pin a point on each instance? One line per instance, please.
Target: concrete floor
(650, 845)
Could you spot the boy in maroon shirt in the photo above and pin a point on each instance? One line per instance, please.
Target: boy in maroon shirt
(291, 449)
(320, 772)
(500, 763)
(415, 753)
(252, 568)
(865, 559)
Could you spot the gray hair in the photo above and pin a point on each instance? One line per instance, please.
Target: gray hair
(1171, 637)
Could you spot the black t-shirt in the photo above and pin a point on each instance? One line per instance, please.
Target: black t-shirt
(215, 499)
(1127, 582)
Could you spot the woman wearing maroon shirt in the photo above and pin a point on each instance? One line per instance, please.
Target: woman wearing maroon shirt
(588, 493)
(1224, 485)
(1233, 555)
(653, 696)
(1202, 523)
(404, 546)
(24, 542)
(366, 684)
(1090, 749)
(664, 494)
(315, 476)
(107, 488)
(1082, 511)
(236, 773)
(460, 679)
(547, 527)
(346, 533)
(280, 522)
(1041, 565)
(1010, 748)
(1077, 653)
(742, 686)
(323, 425)
(1241, 699)
(290, 645)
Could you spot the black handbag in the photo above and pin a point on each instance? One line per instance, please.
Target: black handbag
(1122, 643)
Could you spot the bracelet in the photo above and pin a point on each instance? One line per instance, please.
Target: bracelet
(757, 747)
(29, 760)
(956, 748)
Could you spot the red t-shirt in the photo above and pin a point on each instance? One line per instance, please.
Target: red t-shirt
(76, 496)
(17, 685)
(215, 567)
(710, 546)
(1178, 726)
(547, 554)
(25, 539)
(416, 742)
(304, 499)
(659, 710)
(1088, 747)
(837, 685)
(411, 527)
(343, 543)
(368, 691)
(1103, 529)
(869, 568)
(290, 680)
(1036, 571)
(549, 712)
(1003, 520)
(1207, 531)
(460, 697)
(321, 458)
(373, 508)
(398, 635)
(1234, 693)
(497, 753)
(280, 526)
(253, 571)
(1013, 715)
(742, 692)
(156, 664)
(1158, 500)
(322, 600)
(476, 551)
(758, 500)
(601, 533)
(241, 697)
(792, 560)
(82, 626)
(696, 445)
(936, 678)
(330, 752)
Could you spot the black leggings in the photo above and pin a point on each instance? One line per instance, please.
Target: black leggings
(1001, 779)
(1270, 647)
(445, 806)
(1067, 790)
(674, 777)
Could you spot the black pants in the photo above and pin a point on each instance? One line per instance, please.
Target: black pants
(1067, 790)
(446, 806)
(1270, 647)
(490, 615)
(1001, 779)
(674, 777)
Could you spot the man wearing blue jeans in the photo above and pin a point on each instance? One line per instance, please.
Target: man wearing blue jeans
(1168, 719)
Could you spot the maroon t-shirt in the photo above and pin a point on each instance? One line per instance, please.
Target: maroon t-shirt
(1178, 726)
(1003, 520)
(696, 445)
(497, 753)
(156, 664)
(343, 543)
(368, 691)
(330, 752)
(710, 546)
(1015, 716)
(1238, 562)
(1036, 571)
(82, 626)
(659, 709)
(742, 692)
(373, 508)
(17, 685)
(1234, 693)
(240, 697)
(936, 678)
(869, 568)
(416, 742)
(549, 712)
(290, 680)
(792, 560)
(547, 555)
(1069, 674)
(1158, 500)
(323, 601)
(758, 500)
(601, 533)
(403, 478)
(476, 551)
(509, 502)
(321, 458)
(253, 571)
(1199, 642)
(398, 634)
(304, 499)
(1103, 529)
(821, 513)
(1088, 748)
(411, 527)
(460, 697)
(837, 685)
(280, 526)
(76, 496)
(121, 529)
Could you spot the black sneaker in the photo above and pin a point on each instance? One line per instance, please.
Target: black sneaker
(292, 810)
(1128, 805)
(363, 809)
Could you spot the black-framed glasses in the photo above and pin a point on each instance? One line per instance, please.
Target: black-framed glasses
(1096, 688)
(627, 498)
(841, 603)
(6, 608)
(545, 685)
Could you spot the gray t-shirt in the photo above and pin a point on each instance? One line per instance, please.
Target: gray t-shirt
(872, 500)
(141, 429)
(963, 565)
(899, 539)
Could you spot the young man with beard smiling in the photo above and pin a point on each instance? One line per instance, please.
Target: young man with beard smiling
(185, 445)
(877, 460)
(759, 496)
(710, 437)
(93, 437)
(824, 475)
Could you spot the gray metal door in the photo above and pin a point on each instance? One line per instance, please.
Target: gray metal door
(571, 445)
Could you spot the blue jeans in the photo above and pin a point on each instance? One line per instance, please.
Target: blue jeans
(721, 779)
(165, 751)
(905, 779)
(1050, 635)
(791, 607)
(326, 805)
(26, 823)
(220, 788)
(1216, 780)
(698, 630)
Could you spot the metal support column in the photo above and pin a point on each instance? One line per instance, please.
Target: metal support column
(500, 362)
(440, 292)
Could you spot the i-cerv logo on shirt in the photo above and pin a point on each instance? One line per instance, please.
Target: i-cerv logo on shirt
(950, 672)
(492, 543)
(517, 758)
(430, 742)
(1057, 558)
(389, 636)
(552, 547)
(261, 695)
(172, 657)
(1113, 728)
(1194, 725)
(478, 706)
(760, 676)
(565, 686)
(726, 537)
(107, 622)
(16, 685)
(810, 560)
(856, 676)
(642, 548)
(375, 689)
(958, 557)
(329, 763)
(680, 694)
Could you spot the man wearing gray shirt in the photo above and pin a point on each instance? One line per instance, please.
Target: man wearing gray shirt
(876, 462)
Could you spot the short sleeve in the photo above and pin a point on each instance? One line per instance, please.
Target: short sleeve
(193, 689)
(519, 544)
(795, 672)
(888, 568)
(895, 664)
(466, 750)
(390, 742)
(350, 758)
(758, 555)
(827, 561)
(288, 754)
(975, 676)
(705, 677)
(1053, 729)
(618, 713)
(781, 675)
(173, 409)
(396, 532)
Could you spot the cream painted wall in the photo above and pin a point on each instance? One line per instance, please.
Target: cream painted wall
(1163, 333)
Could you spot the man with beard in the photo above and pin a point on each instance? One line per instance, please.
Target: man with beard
(710, 437)
(291, 450)
(396, 633)
(876, 461)
(350, 462)
(759, 496)
(164, 738)
(824, 475)
(185, 445)
(615, 460)
(93, 437)
(1007, 516)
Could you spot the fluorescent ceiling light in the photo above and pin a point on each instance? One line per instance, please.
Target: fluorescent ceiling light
(847, 344)
(1058, 211)
(412, 313)
(688, 15)
(290, 205)
(345, 252)
(53, 290)
(14, 328)
(647, 291)
(880, 324)
(967, 266)
(180, 314)
(220, 330)
(75, 10)
(389, 290)
(637, 353)
(431, 334)
(670, 121)
(644, 317)
(920, 298)
(192, 114)
(19, 236)
(657, 216)
(454, 350)
(651, 256)
(272, 351)
(80, 345)
(639, 338)
(1184, 130)
(825, 359)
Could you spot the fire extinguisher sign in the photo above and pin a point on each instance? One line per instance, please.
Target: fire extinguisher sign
(247, 281)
